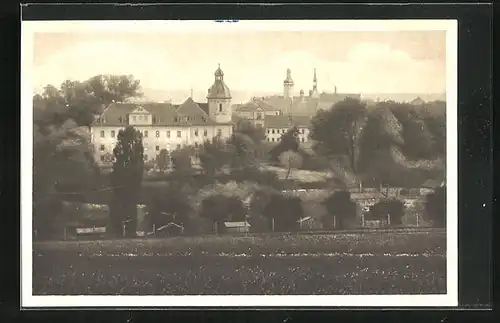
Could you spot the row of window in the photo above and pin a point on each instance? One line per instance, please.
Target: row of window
(145, 133)
(274, 131)
(278, 139)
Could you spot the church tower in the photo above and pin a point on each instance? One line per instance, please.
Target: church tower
(314, 93)
(288, 84)
(219, 99)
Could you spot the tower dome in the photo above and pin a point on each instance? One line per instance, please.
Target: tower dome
(219, 89)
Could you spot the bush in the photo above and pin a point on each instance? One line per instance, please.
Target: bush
(393, 208)
(262, 177)
(340, 206)
(435, 207)
(220, 208)
(313, 162)
(286, 212)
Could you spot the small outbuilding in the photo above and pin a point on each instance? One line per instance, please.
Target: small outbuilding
(237, 227)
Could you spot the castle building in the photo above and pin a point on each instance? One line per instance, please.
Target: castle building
(297, 105)
(165, 125)
(278, 113)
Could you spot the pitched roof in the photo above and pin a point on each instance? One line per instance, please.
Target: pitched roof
(284, 121)
(164, 114)
(236, 224)
(256, 104)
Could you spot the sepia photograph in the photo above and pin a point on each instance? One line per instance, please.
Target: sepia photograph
(181, 163)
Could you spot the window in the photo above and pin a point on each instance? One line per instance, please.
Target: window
(302, 139)
(154, 119)
(145, 134)
(157, 134)
(146, 118)
(272, 131)
(120, 119)
(268, 131)
(196, 145)
(168, 133)
(259, 116)
(220, 107)
(205, 132)
(178, 146)
(178, 134)
(302, 131)
(112, 133)
(196, 132)
(272, 139)
(134, 118)
(157, 148)
(145, 157)
(219, 132)
(102, 148)
(102, 133)
(102, 158)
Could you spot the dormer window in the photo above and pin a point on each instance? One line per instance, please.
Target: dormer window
(175, 119)
(134, 118)
(120, 119)
(220, 107)
(204, 119)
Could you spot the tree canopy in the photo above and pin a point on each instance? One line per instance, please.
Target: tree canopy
(126, 178)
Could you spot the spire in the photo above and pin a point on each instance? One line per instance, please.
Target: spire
(315, 82)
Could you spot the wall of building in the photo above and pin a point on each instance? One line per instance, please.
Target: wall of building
(274, 134)
(156, 138)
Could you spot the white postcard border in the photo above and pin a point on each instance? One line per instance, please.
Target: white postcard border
(28, 28)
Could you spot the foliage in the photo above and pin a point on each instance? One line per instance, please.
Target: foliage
(245, 127)
(418, 140)
(288, 141)
(290, 159)
(213, 156)
(82, 101)
(126, 178)
(340, 206)
(286, 212)
(435, 207)
(242, 151)
(170, 205)
(62, 162)
(163, 160)
(262, 177)
(389, 207)
(220, 208)
(336, 131)
(182, 163)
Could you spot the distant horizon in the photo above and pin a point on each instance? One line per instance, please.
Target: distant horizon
(252, 61)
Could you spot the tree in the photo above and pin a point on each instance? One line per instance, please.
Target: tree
(215, 208)
(290, 159)
(171, 205)
(126, 179)
(435, 207)
(62, 162)
(213, 156)
(337, 130)
(163, 160)
(241, 151)
(288, 141)
(340, 207)
(418, 140)
(245, 127)
(391, 207)
(285, 211)
(82, 101)
(114, 88)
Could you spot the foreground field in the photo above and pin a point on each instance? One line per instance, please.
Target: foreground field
(344, 263)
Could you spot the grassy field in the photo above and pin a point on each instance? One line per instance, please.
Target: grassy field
(410, 262)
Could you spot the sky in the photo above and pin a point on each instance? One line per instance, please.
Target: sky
(253, 62)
